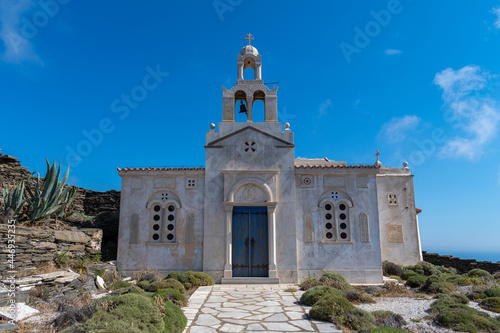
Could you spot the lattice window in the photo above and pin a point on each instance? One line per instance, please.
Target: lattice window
(336, 222)
(392, 199)
(249, 146)
(156, 222)
(306, 181)
(343, 222)
(329, 222)
(170, 224)
(191, 183)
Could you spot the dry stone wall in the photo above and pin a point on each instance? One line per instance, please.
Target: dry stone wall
(461, 265)
(34, 246)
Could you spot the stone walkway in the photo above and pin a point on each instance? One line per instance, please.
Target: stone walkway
(250, 308)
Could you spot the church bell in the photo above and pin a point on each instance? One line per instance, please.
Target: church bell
(243, 108)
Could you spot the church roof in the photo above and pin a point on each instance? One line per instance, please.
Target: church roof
(325, 163)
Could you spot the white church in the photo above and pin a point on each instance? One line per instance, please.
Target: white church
(257, 214)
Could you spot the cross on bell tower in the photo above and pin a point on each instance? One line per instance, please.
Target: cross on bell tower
(249, 38)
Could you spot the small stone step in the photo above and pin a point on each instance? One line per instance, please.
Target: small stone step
(250, 280)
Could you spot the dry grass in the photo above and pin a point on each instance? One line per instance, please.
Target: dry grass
(394, 289)
(291, 289)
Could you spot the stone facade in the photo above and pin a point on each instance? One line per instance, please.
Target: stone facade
(255, 213)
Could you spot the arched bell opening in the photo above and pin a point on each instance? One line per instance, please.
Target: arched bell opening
(241, 107)
(249, 74)
(259, 106)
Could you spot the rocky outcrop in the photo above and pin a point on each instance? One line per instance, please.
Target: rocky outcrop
(87, 202)
(461, 265)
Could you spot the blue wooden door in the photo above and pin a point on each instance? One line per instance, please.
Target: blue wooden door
(250, 242)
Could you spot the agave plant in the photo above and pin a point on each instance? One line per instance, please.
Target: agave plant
(54, 197)
(15, 199)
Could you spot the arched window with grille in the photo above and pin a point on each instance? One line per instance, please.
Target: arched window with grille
(163, 208)
(335, 206)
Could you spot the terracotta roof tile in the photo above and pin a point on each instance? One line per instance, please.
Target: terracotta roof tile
(337, 166)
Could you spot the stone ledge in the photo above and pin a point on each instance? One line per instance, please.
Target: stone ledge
(250, 280)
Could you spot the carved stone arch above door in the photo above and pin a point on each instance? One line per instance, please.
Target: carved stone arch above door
(250, 190)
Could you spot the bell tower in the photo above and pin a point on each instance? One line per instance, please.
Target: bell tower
(249, 91)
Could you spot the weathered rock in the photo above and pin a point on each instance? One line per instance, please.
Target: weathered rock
(99, 281)
(77, 247)
(9, 328)
(21, 312)
(50, 276)
(72, 236)
(68, 277)
(43, 245)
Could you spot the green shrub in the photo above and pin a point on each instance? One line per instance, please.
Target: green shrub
(206, 280)
(175, 321)
(390, 268)
(357, 298)
(120, 284)
(171, 295)
(192, 279)
(356, 320)
(397, 278)
(492, 292)
(477, 272)
(330, 306)
(164, 284)
(336, 281)
(465, 319)
(126, 313)
(144, 285)
(313, 295)
(388, 319)
(437, 285)
(424, 268)
(309, 282)
(128, 290)
(416, 281)
(447, 270)
(407, 273)
(460, 280)
(491, 304)
(445, 302)
(476, 295)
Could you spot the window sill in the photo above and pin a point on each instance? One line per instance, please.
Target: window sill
(337, 242)
(161, 244)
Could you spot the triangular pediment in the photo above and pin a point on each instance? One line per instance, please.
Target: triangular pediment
(218, 141)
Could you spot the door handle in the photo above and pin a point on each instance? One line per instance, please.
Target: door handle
(252, 242)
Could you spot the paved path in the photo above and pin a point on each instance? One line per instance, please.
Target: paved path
(250, 308)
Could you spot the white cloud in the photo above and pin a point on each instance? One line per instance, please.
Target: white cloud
(17, 46)
(393, 51)
(323, 108)
(476, 114)
(397, 129)
(496, 11)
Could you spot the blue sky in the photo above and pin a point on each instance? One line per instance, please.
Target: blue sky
(418, 80)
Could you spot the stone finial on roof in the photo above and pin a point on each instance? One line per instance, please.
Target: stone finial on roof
(378, 163)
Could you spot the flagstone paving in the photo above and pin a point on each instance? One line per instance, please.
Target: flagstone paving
(250, 308)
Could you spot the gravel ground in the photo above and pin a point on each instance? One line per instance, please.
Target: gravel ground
(413, 308)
